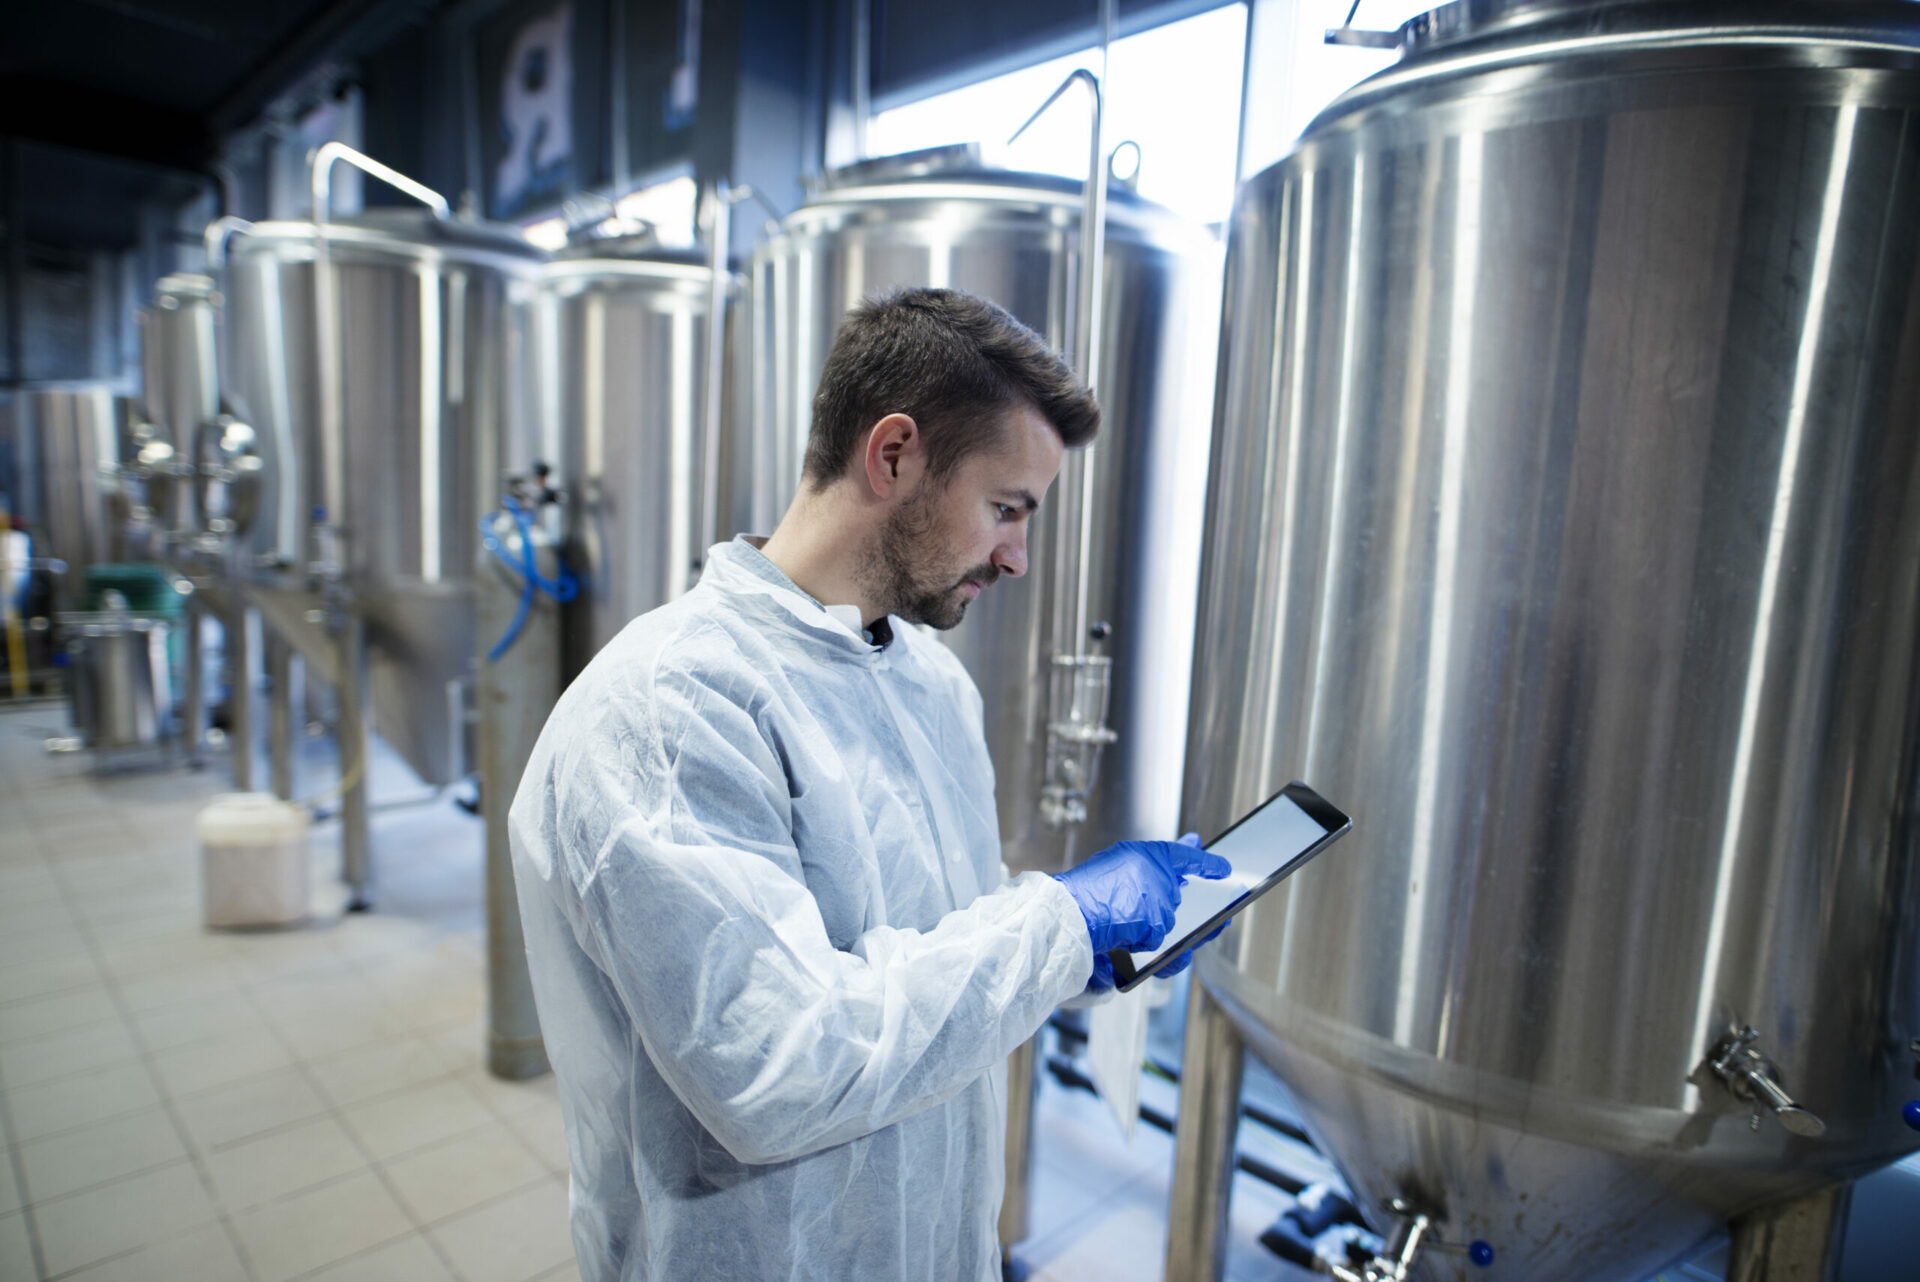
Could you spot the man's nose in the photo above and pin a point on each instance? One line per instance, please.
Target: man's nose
(1010, 558)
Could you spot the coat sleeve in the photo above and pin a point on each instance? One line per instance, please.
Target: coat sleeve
(691, 900)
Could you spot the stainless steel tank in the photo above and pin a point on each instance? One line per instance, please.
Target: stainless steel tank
(180, 392)
(1563, 526)
(623, 333)
(430, 335)
(66, 447)
(1014, 239)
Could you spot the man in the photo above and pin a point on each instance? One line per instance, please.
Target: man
(778, 962)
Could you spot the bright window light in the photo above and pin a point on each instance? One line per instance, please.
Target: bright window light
(671, 207)
(1315, 73)
(549, 234)
(1174, 90)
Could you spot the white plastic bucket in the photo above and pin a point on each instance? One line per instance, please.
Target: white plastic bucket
(253, 860)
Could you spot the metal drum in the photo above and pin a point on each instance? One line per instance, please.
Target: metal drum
(430, 332)
(622, 347)
(1013, 238)
(1563, 526)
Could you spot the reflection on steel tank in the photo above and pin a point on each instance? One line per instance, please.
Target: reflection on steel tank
(939, 219)
(1563, 525)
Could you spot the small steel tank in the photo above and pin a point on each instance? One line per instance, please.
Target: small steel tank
(622, 348)
(1563, 527)
(1014, 238)
(429, 353)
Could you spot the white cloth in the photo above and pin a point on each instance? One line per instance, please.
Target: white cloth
(778, 963)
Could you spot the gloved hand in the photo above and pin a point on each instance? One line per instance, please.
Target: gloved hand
(1129, 891)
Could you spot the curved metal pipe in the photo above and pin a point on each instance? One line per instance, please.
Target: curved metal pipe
(719, 231)
(218, 233)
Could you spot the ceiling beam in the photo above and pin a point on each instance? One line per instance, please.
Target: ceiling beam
(66, 115)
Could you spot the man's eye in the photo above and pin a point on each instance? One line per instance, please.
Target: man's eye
(1006, 513)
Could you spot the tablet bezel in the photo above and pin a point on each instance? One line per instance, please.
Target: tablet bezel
(1334, 824)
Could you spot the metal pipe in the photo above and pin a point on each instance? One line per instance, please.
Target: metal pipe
(356, 842)
(279, 716)
(1204, 1142)
(1023, 1092)
(719, 232)
(193, 717)
(239, 692)
(862, 74)
(218, 233)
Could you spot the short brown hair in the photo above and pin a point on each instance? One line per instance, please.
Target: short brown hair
(949, 361)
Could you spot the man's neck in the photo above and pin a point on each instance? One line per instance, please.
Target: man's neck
(818, 544)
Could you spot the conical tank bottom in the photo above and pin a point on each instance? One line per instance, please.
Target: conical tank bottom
(1562, 1187)
(420, 664)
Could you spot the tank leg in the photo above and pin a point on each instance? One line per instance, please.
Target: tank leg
(1023, 1094)
(239, 655)
(1797, 1241)
(193, 717)
(356, 839)
(517, 693)
(280, 715)
(1204, 1139)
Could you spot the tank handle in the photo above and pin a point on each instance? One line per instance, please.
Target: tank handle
(1361, 37)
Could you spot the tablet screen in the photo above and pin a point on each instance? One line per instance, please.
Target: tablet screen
(1293, 826)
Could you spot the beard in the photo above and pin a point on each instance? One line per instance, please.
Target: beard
(908, 575)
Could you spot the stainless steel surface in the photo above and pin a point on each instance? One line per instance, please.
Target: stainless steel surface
(1023, 1096)
(122, 692)
(1013, 239)
(65, 450)
(1796, 1241)
(236, 650)
(1212, 1064)
(353, 733)
(180, 391)
(517, 691)
(281, 718)
(434, 405)
(193, 705)
(623, 337)
(1562, 525)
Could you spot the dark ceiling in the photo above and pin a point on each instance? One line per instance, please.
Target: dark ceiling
(114, 102)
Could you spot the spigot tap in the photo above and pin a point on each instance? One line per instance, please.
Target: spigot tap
(1755, 1079)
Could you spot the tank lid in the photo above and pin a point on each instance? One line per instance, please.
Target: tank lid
(978, 181)
(1501, 21)
(928, 162)
(408, 228)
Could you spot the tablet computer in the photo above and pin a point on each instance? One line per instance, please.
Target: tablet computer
(1264, 847)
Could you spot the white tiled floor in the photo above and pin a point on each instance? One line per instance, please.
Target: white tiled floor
(311, 1104)
(179, 1104)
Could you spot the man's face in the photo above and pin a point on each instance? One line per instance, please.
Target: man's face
(947, 542)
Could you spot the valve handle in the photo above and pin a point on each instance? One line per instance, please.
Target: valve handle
(1910, 1113)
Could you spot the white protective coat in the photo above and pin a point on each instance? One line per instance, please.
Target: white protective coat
(778, 963)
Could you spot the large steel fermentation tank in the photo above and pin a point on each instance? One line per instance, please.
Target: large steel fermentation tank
(623, 337)
(1014, 238)
(1563, 527)
(429, 368)
(66, 445)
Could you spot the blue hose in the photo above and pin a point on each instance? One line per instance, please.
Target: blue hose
(563, 587)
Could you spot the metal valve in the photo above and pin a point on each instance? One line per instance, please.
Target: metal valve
(1754, 1078)
(1413, 1234)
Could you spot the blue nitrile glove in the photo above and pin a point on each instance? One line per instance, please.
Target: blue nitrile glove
(1128, 893)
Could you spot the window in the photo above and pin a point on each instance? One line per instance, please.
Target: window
(1174, 90)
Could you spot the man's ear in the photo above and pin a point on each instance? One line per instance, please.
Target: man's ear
(892, 454)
